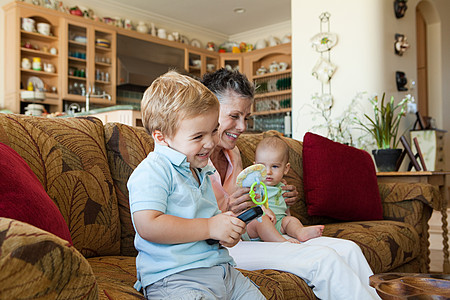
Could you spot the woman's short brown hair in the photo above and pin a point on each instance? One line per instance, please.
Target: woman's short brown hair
(173, 97)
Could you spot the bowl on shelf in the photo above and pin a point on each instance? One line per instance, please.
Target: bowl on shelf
(43, 28)
(80, 39)
(34, 109)
(32, 95)
(102, 43)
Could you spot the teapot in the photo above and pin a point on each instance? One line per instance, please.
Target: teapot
(162, 33)
(262, 70)
(142, 27)
(274, 67)
(283, 66)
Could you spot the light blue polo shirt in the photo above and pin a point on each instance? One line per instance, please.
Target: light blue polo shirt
(164, 182)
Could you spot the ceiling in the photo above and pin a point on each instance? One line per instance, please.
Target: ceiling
(217, 15)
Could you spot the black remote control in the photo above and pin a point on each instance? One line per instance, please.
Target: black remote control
(246, 216)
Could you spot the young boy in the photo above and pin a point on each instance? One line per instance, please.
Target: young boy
(273, 153)
(172, 202)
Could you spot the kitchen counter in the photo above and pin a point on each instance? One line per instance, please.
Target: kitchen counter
(108, 109)
(126, 114)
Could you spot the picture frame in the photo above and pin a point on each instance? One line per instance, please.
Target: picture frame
(411, 155)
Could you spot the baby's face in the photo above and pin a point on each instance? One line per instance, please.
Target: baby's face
(275, 163)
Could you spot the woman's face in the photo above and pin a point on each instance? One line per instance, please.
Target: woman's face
(234, 113)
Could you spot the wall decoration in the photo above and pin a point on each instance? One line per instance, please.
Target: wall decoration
(324, 68)
(401, 80)
(324, 41)
(400, 8)
(401, 44)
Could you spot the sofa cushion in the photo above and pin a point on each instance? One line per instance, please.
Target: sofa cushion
(23, 198)
(116, 276)
(68, 156)
(339, 181)
(385, 244)
(126, 147)
(36, 264)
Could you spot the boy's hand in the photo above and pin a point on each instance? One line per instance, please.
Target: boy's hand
(226, 228)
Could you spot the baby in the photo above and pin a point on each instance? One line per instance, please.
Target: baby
(273, 153)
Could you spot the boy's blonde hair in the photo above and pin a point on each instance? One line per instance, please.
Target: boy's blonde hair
(274, 142)
(173, 97)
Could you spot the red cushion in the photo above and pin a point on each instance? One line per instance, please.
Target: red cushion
(23, 198)
(339, 181)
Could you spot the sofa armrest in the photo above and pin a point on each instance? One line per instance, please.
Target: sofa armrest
(399, 199)
(37, 264)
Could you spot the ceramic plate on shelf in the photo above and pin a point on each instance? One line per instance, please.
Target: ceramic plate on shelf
(37, 83)
(272, 85)
(196, 43)
(184, 39)
(80, 39)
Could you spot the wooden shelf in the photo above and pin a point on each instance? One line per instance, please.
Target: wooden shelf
(272, 94)
(38, 52)
(38, 36)
(103, 49)
(83, 60)
(50, 99)
(271, 112)
(77, 78)
(102, 64)
(40, 73)
(102, 82)
(273, 74)
(75, 43)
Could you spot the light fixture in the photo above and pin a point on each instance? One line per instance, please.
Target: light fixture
(239, 10)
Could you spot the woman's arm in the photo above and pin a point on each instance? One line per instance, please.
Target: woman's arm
(156, 227)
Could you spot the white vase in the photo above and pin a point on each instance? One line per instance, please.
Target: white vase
(142, 27)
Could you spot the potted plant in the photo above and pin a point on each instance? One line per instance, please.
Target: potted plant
(384, 126)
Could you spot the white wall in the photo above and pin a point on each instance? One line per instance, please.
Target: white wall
(364, 54)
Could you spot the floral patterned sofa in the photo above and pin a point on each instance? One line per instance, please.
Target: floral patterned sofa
(84, 165)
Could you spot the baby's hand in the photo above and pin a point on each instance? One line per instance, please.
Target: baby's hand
(226, 228)
(270, 214)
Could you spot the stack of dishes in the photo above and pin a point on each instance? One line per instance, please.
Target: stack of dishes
(102, 43)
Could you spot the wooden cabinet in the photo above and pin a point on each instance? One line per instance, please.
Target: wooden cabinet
(22, 45)
(84, 64)
(273, 99)
(232, 60)
(199, 62)
(89, 63)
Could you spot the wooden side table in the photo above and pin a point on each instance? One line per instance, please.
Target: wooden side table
(431, 177)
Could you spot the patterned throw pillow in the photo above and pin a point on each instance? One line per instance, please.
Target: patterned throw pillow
(23, 198)
(339, 181)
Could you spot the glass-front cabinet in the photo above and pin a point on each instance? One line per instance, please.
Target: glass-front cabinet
(89, 68)
(199, 63)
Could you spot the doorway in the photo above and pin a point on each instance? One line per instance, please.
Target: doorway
(422, 70)
(429, 61)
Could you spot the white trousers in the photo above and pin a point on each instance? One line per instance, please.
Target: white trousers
(334, 268)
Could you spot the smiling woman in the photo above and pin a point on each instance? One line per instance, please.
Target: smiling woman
(350, 268)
